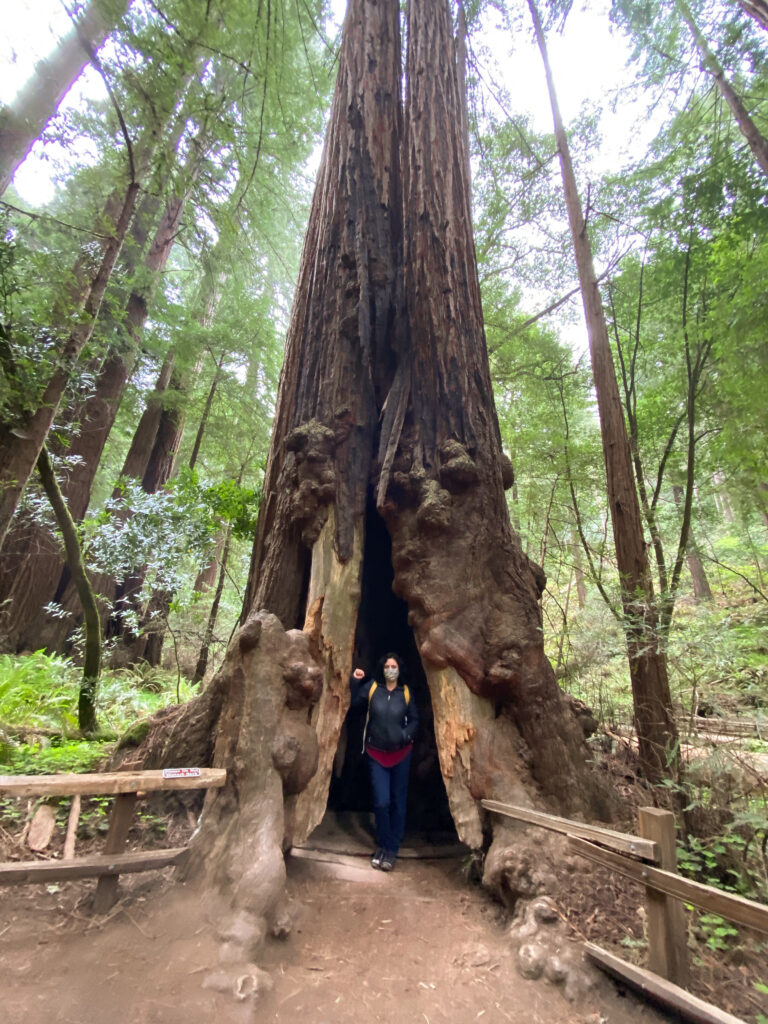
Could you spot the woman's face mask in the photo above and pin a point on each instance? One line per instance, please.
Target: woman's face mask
(391, 672)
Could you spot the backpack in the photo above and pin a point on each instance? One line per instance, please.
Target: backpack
(374, 684)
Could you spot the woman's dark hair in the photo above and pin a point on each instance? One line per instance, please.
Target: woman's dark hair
(379, 673)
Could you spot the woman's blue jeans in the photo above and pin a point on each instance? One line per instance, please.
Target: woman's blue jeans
(390, 797)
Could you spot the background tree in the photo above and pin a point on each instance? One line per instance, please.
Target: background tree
(22, 122)
(251, 210)
(657, 733)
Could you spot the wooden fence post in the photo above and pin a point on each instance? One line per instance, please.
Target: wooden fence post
(119, 824)
(667, 926)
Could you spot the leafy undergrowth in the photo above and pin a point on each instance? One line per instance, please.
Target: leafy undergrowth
(39, 736)
(38, 711)
(717, 661)
(729, 964)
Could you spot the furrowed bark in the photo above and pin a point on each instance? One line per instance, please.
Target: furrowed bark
(202, 658)
(336, 376)
(701, 588)
(337, 369)
(472, 594)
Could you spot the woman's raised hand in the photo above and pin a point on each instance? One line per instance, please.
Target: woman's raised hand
(358, 673)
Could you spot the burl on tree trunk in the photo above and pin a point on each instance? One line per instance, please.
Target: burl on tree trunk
(385, 411)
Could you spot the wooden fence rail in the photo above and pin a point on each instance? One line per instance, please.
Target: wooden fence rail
(705, 897)
(650, 859)
(126, 787)
(647, 849)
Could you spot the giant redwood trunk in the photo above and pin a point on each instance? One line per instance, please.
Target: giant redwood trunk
(385, 472)
(472, 594)
(337, 373)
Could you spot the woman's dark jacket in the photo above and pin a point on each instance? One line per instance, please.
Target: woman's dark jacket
(392, 723)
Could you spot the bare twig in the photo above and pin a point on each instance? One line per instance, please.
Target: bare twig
(94, 59)
(53, 220)
(747, 580)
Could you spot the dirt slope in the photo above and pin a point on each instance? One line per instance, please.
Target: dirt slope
(419, 945)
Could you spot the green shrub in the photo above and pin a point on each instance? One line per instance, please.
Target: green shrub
(39, 690)
(63, 757)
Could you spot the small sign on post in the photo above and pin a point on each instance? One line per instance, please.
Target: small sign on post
(181, 773)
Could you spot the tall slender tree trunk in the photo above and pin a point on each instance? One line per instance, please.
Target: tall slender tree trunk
(629, 383)
(695, 361)
(143, 440)
(21, 443)
(206, 412)
(86, 707)
(162, 456)
(756, 140)
(701, 588)
(762, 490)
(33, 573)
(23, 120)
(578, 568)
(208, 576)
(202, 658)
(656, 728)
(722, 498)
(757, 9)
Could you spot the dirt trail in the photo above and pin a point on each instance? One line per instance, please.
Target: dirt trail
(418, 945)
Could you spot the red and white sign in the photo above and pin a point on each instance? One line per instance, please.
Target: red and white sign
(181, 773)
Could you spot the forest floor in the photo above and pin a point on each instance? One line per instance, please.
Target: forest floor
(419, 945)
(413, 946)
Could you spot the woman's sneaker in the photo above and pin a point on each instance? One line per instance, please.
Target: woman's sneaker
(388, 861)
(377, 858)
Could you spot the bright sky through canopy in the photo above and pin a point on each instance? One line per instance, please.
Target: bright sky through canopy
(589, 62)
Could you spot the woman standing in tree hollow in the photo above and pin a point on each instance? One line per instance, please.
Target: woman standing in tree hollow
(390, 728)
